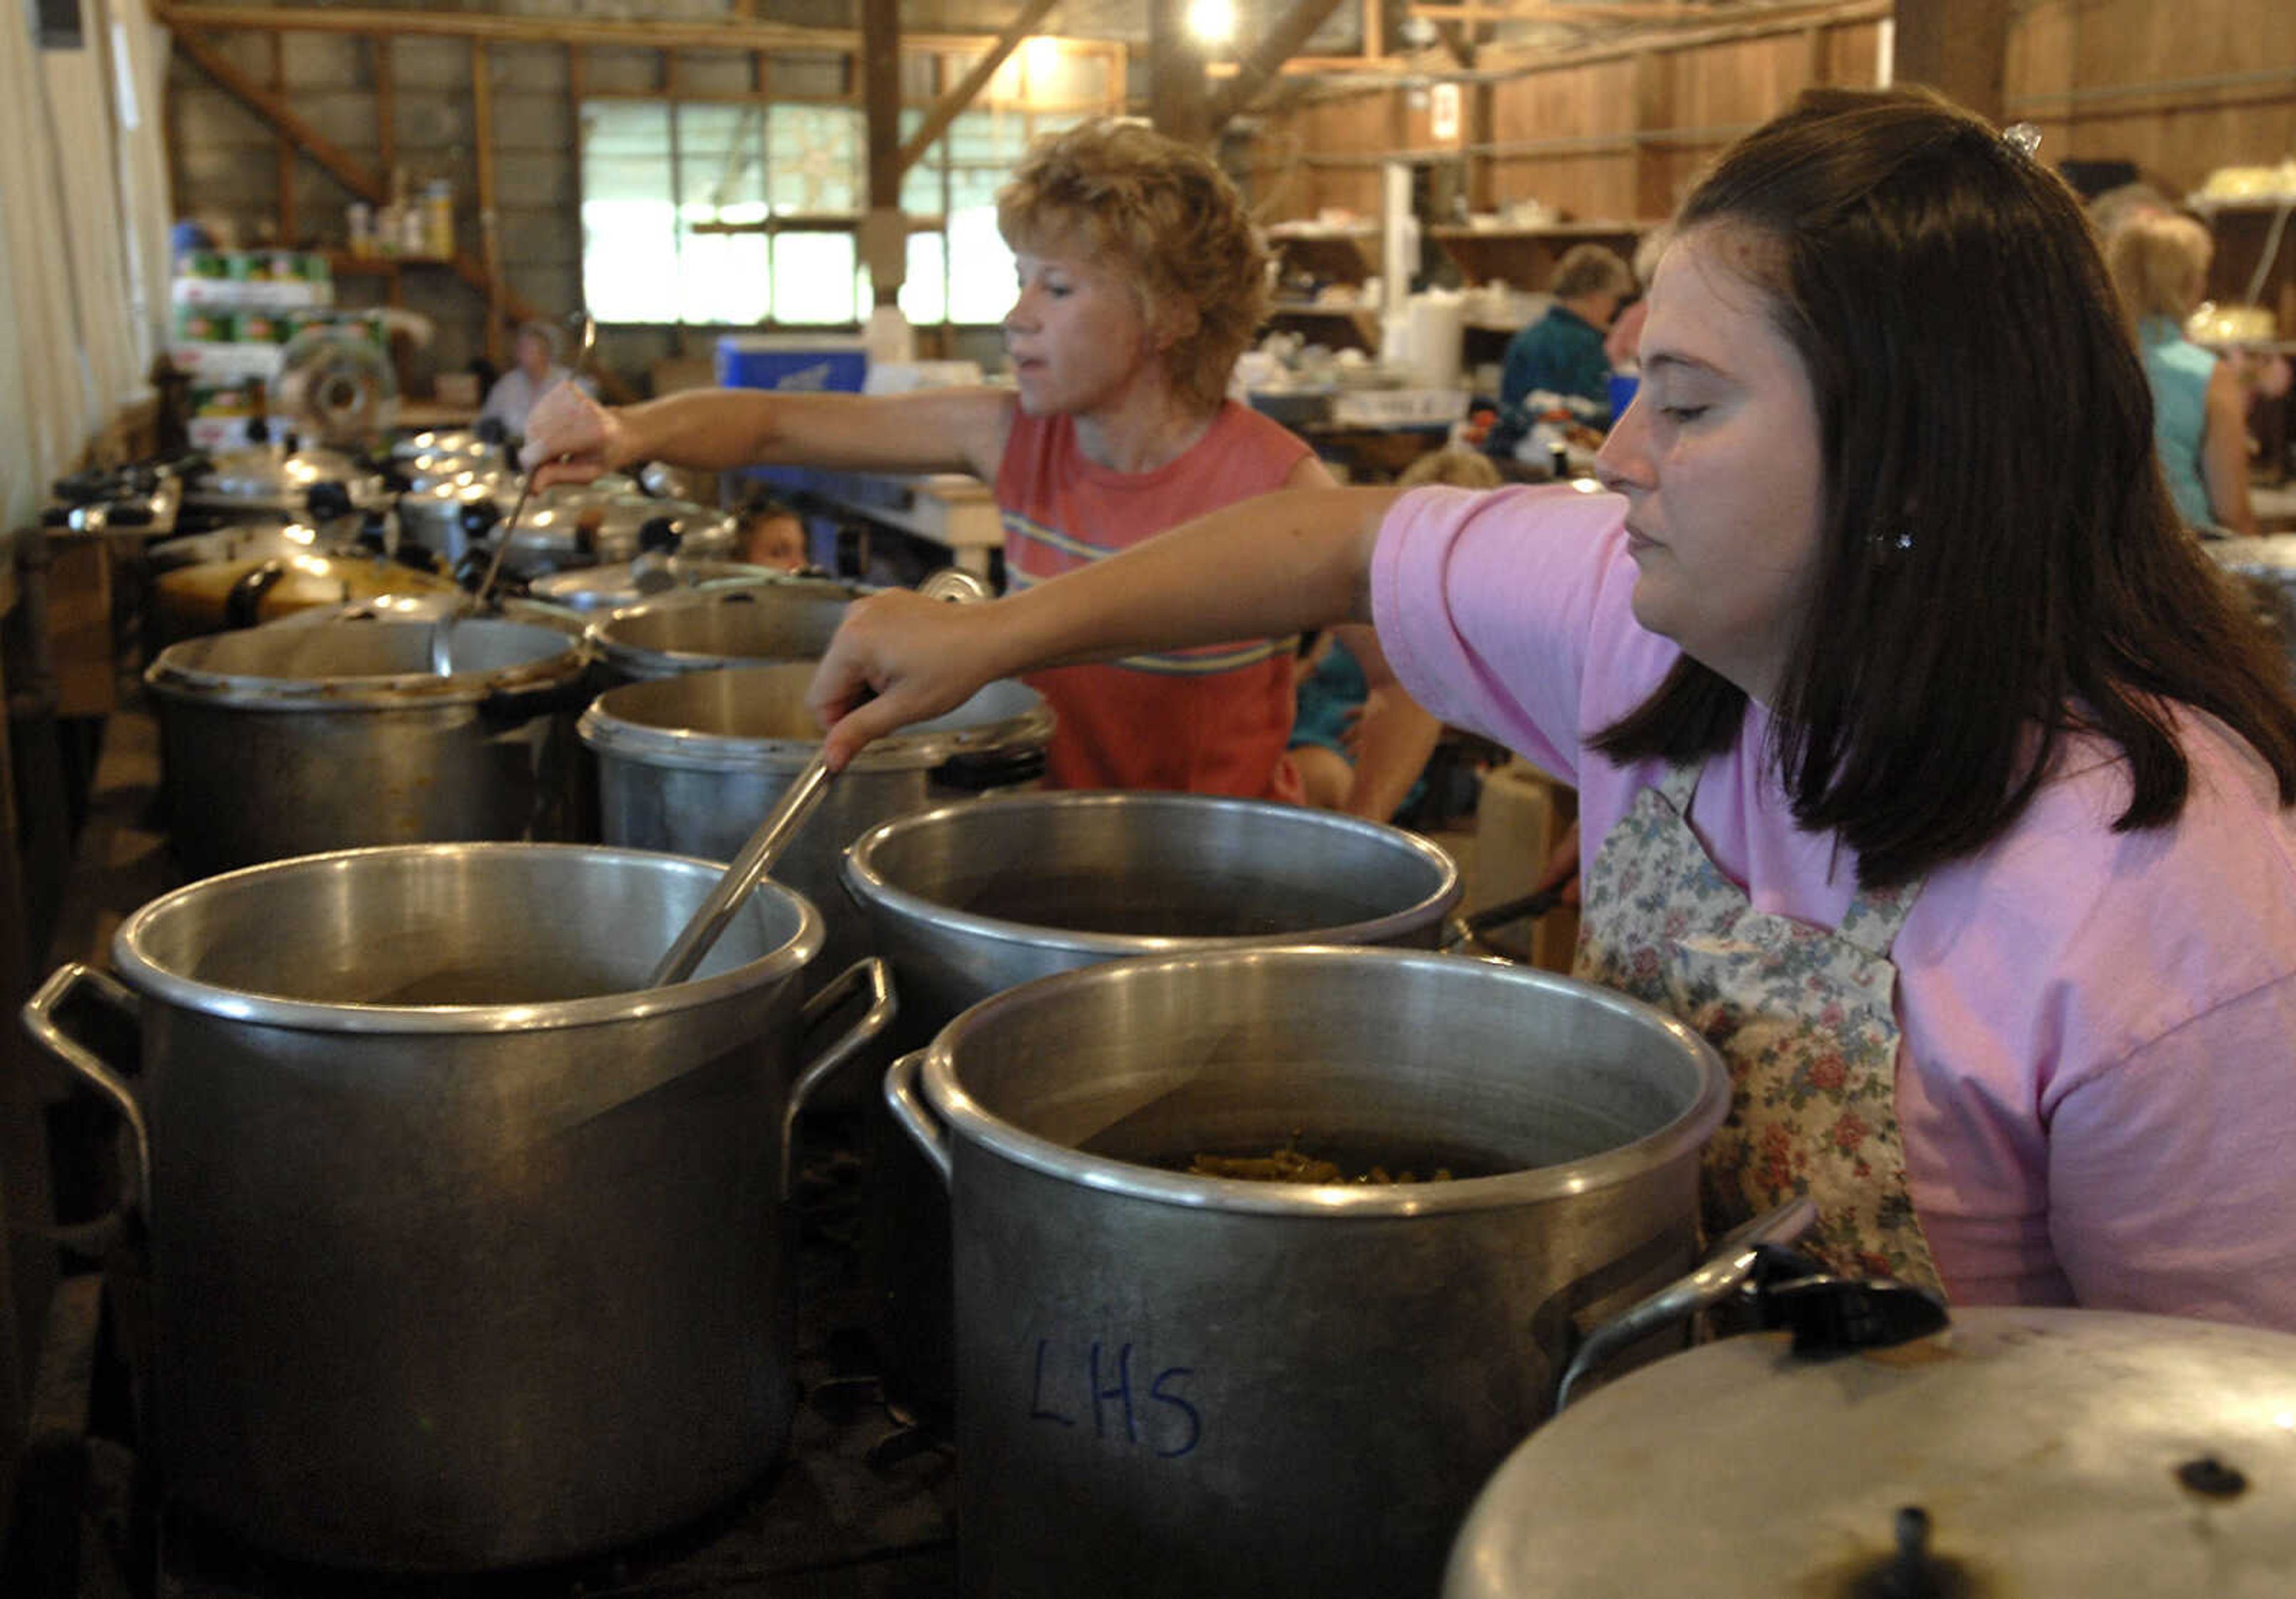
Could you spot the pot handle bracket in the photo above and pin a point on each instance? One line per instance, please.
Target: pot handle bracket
(1722, 1274)
(916, 1118)
(869, 971)
(40, 1015)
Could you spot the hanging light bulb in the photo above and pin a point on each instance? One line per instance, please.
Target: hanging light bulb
(1211, 21)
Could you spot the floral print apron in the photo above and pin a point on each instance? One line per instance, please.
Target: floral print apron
(1803, 1018)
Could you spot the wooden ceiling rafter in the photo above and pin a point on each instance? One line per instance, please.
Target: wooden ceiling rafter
(668, 34)
(951, 105)
(1256, 67)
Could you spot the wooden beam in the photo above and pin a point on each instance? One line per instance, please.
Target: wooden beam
(339, 163)
(1296, 28)
(1545, 11)
(482, 135)
(656, 34)
(884, 243)
(286, 152)
(947, 109)
(1176, 74)
(1957, 47)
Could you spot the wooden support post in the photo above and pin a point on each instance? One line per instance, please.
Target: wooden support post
(286, 154)
(482, 133)
(1281, 42)
(945, 110)
(1175, 73)
(386, 134)
(884, 237)
(1957, 47)
(1653, 112)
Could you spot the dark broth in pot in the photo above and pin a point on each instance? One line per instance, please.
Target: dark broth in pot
(1100, 902)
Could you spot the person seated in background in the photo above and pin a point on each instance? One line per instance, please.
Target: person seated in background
(1345, 686)
(1562, 353)
(2160, 266)
(1621, 345)
(772, 535)
(535, 371)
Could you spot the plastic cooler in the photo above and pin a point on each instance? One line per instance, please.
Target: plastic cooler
(791, 362)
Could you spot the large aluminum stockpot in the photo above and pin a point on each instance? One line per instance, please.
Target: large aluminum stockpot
(967, 900)
(288, 741)
(467, 1250)
(790, 620)
(691, 763)
(1200, 1387)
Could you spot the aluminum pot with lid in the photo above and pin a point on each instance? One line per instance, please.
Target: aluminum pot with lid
(467, 1248)
(288, 741)
(240, 577)
(691, 763)
(278, 479)
(609, 520)
(1200, 1387)
(591, 592)
(451, 514)
(2016, 1452)
(790, 620)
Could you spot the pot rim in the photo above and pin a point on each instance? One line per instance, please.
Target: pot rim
(149, 978)
(173, 676)
(1684, 1135)
(614, 737)
(651, 661)
(869, 885)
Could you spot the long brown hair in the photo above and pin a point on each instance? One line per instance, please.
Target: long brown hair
(1999, 562)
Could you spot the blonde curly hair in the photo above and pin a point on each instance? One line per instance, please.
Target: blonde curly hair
(1164, 214)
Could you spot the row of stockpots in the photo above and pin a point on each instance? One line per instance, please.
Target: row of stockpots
(509, 1281)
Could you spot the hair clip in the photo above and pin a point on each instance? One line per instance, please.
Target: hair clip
(2022, 137)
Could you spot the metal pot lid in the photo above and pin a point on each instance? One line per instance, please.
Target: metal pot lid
(451, 476)
(596, 588)
(305, 578)
(2049, 1452)
(271, 477)
(245, 541)
(578, 517)
(356, 664)
(754, 718)
(445, 442)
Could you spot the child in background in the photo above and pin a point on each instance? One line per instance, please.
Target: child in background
(1346, 675)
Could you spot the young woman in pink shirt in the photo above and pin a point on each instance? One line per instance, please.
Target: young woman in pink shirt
(1925, 765)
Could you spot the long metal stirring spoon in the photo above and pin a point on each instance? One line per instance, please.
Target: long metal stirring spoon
(781, 824)
(442, 659)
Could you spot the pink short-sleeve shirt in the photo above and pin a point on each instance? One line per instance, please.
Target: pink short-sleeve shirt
(2098, 1079)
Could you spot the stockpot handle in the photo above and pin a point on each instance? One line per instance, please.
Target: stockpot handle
(916, 1118)
(1724, 1273)
(504, 709)
(870, 971)
(40, 1020)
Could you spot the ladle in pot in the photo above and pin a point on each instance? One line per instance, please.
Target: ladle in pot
(442, 651)
(764, 846)
(781, 823)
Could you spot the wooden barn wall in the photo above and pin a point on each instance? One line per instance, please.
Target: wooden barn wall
(2180, 89)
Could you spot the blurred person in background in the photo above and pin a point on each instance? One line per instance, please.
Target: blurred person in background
(2159, 264)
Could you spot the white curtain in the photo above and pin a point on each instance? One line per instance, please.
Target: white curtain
(83, 240)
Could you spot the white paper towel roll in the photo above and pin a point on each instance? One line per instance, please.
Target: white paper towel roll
(1438, 326)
